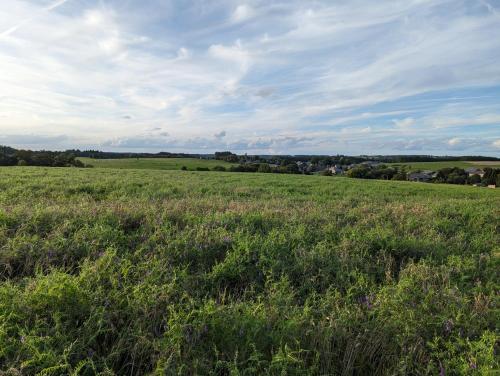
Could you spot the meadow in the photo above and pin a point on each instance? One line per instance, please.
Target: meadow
(155, 163)
(434, 166)
(134, 272)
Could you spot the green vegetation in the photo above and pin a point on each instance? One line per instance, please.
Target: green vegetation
(155, 163)
(12, 157)
(434, 166)
(449, 175)
(133, 272)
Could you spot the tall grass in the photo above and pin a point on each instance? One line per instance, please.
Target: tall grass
(157, 272)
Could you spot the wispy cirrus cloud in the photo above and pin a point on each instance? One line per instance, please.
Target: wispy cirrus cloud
(327, 71)
(48, 8)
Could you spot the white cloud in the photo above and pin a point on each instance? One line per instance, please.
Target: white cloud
(187, 113)
(461, 118)
(220, 134)
(242, 13)
(404, 123)
(183, 53)
(94, 18)
(352, 131)
(110, 45)
(232, 54)
(454, 141)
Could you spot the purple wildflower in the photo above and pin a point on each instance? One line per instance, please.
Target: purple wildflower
(442, 372)
(448, 326)
(367, 301)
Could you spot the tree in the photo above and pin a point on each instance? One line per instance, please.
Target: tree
(382, 173)
(474, 179)
(292, 168)
(401, 174)
(490, 176)
(358, 172)
(456, 178)
(264, 167)
(452, 175)
(7, 157)
(24, 155)
(226, 156)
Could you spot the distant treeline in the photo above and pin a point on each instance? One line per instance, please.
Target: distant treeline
(283, 160)
(338, 159)
(427, 158)
(13, 157)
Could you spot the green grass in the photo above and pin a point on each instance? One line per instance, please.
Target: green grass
(434, 166)
(133, 272)
(155, 163)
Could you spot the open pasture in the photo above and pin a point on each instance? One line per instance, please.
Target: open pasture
(155, 163)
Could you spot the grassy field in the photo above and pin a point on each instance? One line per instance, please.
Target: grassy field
(155, 163)
(139, 272)
(434, 166)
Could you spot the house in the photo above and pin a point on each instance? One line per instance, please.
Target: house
(474, 171)
(432, 174)
(304, 166)
(336, 170)
(420, 176)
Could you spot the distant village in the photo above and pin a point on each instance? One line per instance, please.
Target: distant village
(472, 175)
(475, 176)
(356, 167)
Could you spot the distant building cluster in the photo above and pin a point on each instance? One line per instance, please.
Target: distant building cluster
(489, 177)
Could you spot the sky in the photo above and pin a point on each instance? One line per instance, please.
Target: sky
(263, 77)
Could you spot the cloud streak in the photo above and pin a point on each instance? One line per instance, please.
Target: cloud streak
(14, 28)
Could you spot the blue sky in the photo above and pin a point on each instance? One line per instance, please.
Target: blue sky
(294, 77)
